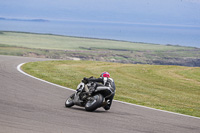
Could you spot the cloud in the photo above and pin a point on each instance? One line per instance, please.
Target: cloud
(193, 1)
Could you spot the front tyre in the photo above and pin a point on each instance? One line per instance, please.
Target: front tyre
(94, 102)
(69, 102)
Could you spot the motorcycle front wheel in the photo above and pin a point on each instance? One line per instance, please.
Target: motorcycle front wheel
(94, 102)
(69, 102)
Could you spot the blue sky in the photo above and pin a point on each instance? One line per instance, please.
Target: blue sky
(165, 12)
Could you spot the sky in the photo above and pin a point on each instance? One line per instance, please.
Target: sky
(163, 12)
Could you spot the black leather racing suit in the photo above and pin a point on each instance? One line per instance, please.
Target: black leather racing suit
(110, 83)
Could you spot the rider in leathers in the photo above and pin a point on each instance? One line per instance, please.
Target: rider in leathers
(109, 82)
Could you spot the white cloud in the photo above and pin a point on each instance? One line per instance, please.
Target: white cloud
(193, 1)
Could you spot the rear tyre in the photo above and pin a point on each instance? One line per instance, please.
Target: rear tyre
(69, 102)
(94, 103)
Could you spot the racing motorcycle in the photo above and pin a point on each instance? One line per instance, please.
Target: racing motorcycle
(90, 95)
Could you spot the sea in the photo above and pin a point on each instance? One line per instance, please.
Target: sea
(182, 35)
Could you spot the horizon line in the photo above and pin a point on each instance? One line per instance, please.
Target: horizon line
(96, 21)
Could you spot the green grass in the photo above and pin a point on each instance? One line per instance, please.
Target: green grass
(45, 41)
(172, 88)
(64, 47)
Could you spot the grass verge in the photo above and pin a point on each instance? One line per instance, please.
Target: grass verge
(171, 88)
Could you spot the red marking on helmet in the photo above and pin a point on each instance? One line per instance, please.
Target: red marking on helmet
(105, 74)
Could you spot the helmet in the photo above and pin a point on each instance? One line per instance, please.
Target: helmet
(105, 74)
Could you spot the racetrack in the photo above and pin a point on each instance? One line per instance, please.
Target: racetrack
(28, 105)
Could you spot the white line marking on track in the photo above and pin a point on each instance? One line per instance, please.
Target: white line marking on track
(19, 69)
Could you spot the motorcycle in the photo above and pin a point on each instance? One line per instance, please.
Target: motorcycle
(90, 95)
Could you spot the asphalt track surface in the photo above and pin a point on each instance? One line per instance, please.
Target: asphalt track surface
(28, 105)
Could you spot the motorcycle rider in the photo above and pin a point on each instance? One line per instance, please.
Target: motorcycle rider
(105, 80)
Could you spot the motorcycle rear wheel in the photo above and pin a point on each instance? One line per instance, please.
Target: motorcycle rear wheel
(94, 103)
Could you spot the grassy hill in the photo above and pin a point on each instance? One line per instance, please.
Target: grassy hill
(172, 88)
(64, 47)
(45, 41)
